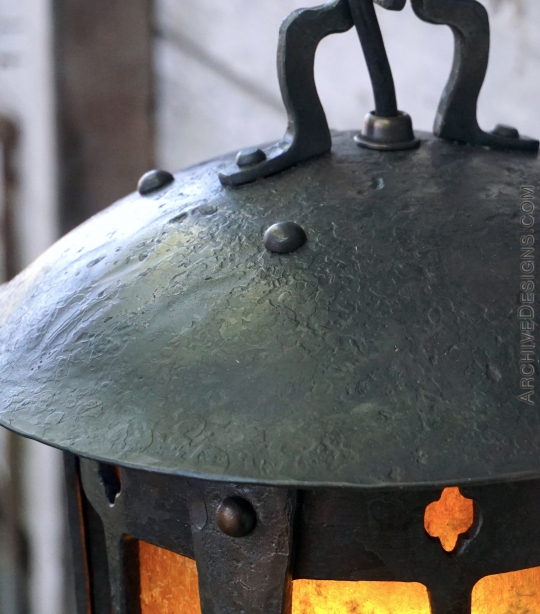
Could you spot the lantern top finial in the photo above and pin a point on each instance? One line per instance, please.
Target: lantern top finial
(386, 128)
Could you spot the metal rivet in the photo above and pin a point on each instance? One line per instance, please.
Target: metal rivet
(249, 157)
(236, 517)
(508, 132)
(154, 180)
(284, 237)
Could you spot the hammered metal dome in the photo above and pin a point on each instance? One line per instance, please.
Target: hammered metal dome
(161, 334)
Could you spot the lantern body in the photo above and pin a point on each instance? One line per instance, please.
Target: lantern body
(312, 548)
(338, 389)
(314, 393)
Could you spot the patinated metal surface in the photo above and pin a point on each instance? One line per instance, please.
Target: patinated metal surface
(245, 574)
(162, 334)
(327, 534)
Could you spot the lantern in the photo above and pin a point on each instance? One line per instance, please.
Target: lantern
(301, 380)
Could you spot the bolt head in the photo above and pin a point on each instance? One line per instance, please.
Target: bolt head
(508, 132)
(236, 517)
(284, 237)
(249, 157)
(154, 180)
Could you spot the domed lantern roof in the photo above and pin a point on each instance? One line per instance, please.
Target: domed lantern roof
(275, 363)
(385, 350)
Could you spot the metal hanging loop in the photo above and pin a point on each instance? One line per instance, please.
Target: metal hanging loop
(386, 128)
(308, 134)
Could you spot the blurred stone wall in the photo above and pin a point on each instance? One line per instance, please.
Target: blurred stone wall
(218, 90)
(32, 545)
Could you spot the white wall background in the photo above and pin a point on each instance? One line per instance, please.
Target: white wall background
(218, 89)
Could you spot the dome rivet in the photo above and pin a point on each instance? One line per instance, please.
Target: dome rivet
(154, 180)
(250, 157)
(508, 132)
(236, 517)
(284, 237)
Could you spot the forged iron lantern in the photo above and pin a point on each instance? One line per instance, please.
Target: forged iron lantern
(302, 379)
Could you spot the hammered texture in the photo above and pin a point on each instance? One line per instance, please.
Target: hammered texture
(162, 334)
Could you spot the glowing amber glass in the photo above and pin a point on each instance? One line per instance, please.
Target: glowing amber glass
(169, 585)
(449, 517)
(169, 582)
(327, 597)
(510, 593)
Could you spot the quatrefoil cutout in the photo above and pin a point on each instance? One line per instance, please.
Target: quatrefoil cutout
(449, 517)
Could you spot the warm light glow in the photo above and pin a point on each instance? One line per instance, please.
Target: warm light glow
(169, 585)
(510, 593)
(327, 597)
(449, 517)
(169, 582)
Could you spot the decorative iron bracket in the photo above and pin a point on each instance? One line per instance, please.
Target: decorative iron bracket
(307, 133)
(456, 118)
(386, 128)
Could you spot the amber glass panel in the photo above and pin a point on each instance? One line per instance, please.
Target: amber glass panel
(449, 517)
(510, 593)
(328, 597)
(169, 583)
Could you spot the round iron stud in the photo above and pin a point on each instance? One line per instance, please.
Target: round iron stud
(250, 157)
(236, 517)
(508, 132)
(154, 180)
(284, 237)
